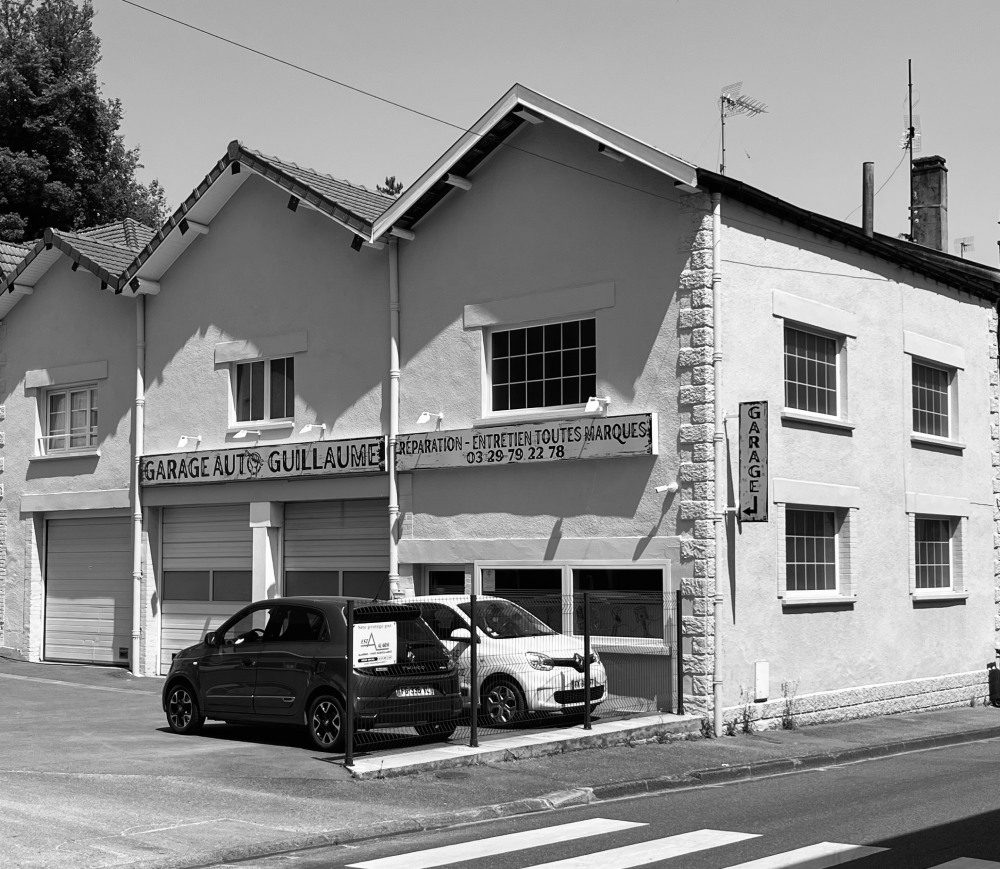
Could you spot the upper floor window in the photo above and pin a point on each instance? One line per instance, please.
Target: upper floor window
(931, 405)
(265, 389)
(70, 419)
(811, 371)
(932, 552)
(552, 365)
(811, 544)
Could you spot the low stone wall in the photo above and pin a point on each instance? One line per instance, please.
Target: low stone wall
(913, 695)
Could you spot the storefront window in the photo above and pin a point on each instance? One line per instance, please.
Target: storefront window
(623, 602)
(538, 590)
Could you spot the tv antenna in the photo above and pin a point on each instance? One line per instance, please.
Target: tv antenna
(732, 102)
(968, 243)
(910, 137)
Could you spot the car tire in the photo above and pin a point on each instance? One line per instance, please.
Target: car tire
(502, 703)
(440, 730)
(184, 716)
(326, 723)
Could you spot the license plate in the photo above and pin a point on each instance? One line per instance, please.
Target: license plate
(415, 692)
(577, 684)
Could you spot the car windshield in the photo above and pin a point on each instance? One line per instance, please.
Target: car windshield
(503, 620)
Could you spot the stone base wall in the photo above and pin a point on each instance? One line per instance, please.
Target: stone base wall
(913, 695)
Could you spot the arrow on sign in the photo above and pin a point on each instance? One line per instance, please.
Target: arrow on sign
(752, 509)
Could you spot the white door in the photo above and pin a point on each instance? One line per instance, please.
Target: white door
(206, 572)
(337, 547)
(88, 590)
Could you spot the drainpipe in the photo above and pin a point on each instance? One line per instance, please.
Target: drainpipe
(390, 452)
(720, 459)
(138, 420)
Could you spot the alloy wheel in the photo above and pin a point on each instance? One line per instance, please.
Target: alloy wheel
(326, 722)
(180, 708)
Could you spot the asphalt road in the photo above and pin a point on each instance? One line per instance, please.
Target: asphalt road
(918, 810)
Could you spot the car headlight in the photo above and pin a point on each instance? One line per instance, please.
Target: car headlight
(539, 661)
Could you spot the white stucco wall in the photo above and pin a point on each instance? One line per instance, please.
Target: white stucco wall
(67, 321)
(528, 226)
(885, 637)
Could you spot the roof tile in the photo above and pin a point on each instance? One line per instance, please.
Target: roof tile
(10, 255)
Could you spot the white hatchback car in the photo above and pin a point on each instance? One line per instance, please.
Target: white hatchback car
(523, 665)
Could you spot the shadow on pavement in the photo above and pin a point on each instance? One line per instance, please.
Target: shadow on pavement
(976, 837)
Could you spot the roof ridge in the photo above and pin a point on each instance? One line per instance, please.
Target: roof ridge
(93, 240)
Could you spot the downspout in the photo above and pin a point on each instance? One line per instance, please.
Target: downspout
(138, 421)
(720, 459)
(390, 451)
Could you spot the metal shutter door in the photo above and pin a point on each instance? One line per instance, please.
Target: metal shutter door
(205, 538)
(337, 535)
(88, 590)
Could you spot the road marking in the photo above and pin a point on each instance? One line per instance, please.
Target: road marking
(818, 856)
(967, 863)
(653, 851)
(70, 684)
(497, 845)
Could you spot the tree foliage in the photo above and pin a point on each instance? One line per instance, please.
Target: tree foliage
(63, 162)
(392, 187)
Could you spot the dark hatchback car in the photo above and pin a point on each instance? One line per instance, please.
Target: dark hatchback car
(284, 661)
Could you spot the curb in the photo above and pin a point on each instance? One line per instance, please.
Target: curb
(582, 796)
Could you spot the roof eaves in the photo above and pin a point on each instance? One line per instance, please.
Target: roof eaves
(7, 281)
(66, 245)
(935, 264)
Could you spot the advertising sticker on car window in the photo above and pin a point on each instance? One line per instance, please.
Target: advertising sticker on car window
(374, 644)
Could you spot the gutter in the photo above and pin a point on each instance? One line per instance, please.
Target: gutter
(138, 421)
(390, 451)
(720, 460)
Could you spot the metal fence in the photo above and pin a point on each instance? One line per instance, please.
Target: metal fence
(522, 661)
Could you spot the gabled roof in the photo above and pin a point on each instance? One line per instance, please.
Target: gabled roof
(492, 130)
(352, 206)
(10, 255)
(126, 233)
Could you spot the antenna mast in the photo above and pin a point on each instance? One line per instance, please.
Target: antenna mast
(733, 102)
(910, 133)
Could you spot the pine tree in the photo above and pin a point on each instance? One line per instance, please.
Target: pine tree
(63, 162)
(392, 187)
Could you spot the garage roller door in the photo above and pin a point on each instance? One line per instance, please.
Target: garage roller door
(88, 590)
(206, 572)
(337, 547)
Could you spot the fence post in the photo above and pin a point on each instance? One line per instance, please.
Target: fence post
(473, 677)
(586, 660)
(349, 688)
(679, 652)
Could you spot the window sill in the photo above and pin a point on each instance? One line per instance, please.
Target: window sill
(817, 419)
(934, 441)
(270, 425)
(69, 454)
(819, 600)
(921, 596)
(540, 415)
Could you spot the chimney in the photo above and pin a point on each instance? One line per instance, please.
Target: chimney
(930, 202)
(868, 198)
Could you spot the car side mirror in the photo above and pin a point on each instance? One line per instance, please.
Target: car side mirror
(211, 639)
(463, 635)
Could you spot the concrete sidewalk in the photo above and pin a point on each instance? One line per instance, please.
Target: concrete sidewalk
(90, 777)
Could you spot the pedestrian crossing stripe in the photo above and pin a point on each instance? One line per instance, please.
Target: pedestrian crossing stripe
(818, 856)
(644, 853)
(494, 845)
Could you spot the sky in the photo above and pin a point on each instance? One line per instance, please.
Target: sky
(833, 75)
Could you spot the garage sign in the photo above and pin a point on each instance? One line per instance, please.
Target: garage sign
(753, 461)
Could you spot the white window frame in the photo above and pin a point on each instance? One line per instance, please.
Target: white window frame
(46, 436)
(839, 521)
(839, 419)
(637, 645)
(267, 422)
(530, 413)
(953, 439)
(956, 589)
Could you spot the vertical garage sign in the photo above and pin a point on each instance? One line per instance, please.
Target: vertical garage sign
(753, 461)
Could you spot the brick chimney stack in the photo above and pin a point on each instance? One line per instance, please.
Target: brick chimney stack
(930, 202)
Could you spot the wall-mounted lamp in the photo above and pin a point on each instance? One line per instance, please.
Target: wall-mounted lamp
(312, 427)
(670, 487)
(597, 405)
(427, 416)
(244, 432)
(187, 439)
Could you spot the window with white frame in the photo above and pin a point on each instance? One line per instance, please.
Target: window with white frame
(70, 419)
(550, 365)
(932, 386)
(811, 371)
(933, 552)
(264, 389)
(626, 603)
(811, 550)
